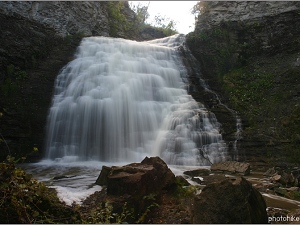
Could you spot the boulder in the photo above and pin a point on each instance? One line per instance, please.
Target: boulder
(276, 178)
(217, 178)
(296, 176)
(150, 176)
(197, 172)
(102, 179)
(231, 167)
(229, 202)
(285, 178)
(293, 189)
(270, 172)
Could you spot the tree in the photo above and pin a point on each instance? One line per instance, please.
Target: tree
(160, 22)
(141, 12)
(199, 8)
(166, 24)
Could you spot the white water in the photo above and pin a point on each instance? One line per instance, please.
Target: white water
(75, 181)
(121, 100)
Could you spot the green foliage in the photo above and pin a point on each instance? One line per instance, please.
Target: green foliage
(288, 194)
(104, 215)
(16, 73)
(296, 195)
(260, 83)
(265, 93)
(248, 91)
(117, 19)
(141, 12)
(134, 212)
(210, 35)
(9, 87)
(12, 80)
(292, 122)
(245, 87)
(219, 44)
(186, 191)
(150, 201)
(199, 8)
(25, 200)
(290, 130)
(69, 39)
(160, 23)
(166, 25)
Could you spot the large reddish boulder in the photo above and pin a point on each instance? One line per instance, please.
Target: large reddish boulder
(137, 179)
(230, 202)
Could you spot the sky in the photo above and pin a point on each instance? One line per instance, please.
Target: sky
(178, 11)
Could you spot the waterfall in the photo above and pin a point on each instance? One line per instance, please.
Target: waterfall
(122, 100)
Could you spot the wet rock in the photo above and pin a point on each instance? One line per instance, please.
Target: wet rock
(296, 176)
(258, 164)
(276, 178)
(213, 179)
(138, 185)
(270, 172)
(197, 173)
(261, 187)
(59, 177)
(231, 167)
(265, 186)
(293, 189)
(140, 179)
(102, 178)
(286, 178)
(198, 180)
(230, 202)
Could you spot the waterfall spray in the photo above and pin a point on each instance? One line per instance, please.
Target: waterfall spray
(122, 100)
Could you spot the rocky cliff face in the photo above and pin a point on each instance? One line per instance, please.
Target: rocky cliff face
(241, 11)
(37, 40)
(66, 18)
(249, 54)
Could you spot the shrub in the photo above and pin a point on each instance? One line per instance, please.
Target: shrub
(25, 200)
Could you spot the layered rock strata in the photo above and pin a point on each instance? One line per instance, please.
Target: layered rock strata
(249, 53)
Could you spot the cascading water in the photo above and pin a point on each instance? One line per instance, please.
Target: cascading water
(122, 100)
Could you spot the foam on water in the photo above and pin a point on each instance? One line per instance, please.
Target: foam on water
(75, 181)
